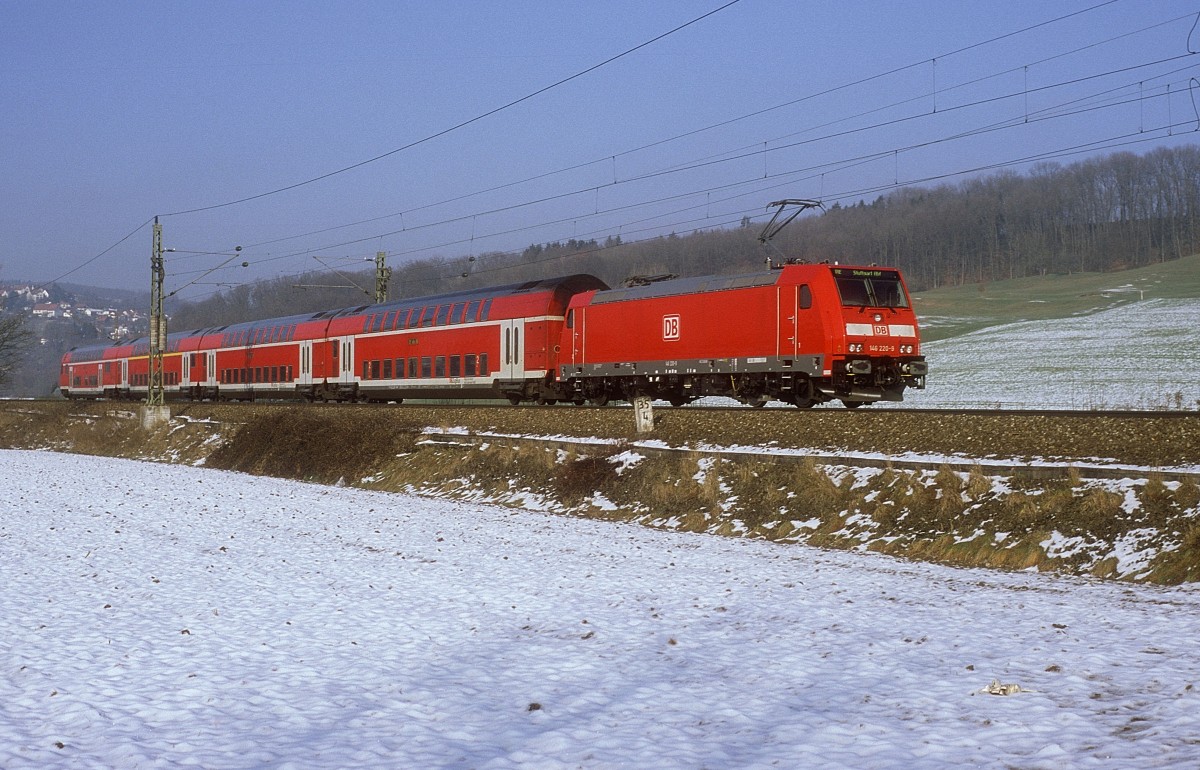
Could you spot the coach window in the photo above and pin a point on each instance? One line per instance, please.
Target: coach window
(426, 366)
(457, 313)
(387, 368)
(274, 374)
(412, 368)
(399, 368)
(472, 311)
(805, 297)
(442, 314)
(483, 367)
(487, 309)
(427, 316)
(439, 366)
(366, 375)
(469, 364)
(378, 327)
(455, 366)
(375, 370)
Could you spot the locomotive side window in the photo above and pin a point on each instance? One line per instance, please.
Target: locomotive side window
(805, 297)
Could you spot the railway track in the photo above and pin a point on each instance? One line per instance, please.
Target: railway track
(1167, 440)
(503, 406)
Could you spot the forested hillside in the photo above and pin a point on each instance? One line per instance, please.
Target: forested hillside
(1102, 214)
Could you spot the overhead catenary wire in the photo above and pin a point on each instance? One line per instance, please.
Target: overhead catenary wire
(829, 166)
(611, 157)
(462, 124)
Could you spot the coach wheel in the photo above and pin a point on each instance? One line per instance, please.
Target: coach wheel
(514, 399)
(601, 400)
(853, 404)
(546, 401)
(679, 401)
(758, 402)
(806, 403)
(579, 402)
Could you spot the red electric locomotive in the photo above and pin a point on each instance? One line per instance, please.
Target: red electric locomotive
(803, 334)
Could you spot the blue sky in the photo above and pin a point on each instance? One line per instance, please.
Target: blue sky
(116, 112)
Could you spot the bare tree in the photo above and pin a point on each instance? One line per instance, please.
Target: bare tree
(14, 338)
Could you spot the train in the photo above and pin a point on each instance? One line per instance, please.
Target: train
(801, 334)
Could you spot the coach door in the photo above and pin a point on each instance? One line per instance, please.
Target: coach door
(186, 366)
(306, 363)
(210, 373)
(512, 363)
(346, 360)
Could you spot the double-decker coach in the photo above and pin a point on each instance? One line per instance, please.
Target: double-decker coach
(479, 343)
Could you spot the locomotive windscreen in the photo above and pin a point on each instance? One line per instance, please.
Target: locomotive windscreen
(860, 287)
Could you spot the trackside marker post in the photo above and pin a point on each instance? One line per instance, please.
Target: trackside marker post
(643, 414)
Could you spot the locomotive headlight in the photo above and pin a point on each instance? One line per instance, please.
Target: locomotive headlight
(855, 347)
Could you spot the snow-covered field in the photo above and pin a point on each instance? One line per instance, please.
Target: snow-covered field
(1137, 356)
(164, 616)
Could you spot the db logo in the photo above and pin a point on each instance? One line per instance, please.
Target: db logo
(670, 327)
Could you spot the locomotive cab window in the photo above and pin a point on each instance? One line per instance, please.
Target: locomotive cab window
(870, 288)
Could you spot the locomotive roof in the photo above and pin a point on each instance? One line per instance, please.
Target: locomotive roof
(698, 285)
